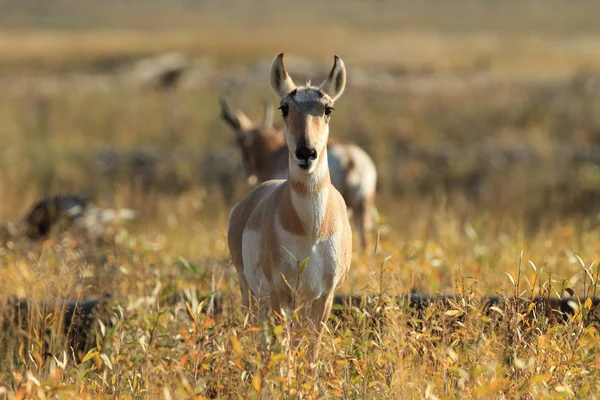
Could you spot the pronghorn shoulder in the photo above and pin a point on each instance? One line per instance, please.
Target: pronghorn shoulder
(336, 217)
(241, 212)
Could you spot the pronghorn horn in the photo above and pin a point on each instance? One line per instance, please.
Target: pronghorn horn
(268, 121)
(335, 83)
(238, 120)
(226, 113)
(280, 80)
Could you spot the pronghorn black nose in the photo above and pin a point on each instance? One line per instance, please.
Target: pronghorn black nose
(306, 153)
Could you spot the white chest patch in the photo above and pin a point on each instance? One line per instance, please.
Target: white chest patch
(322, 273)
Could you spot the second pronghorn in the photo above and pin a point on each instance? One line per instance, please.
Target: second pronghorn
(304, 217)
(265, 157)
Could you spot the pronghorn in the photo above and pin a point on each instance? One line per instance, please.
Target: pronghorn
(64, 211)
(302, 218)
(265, 157)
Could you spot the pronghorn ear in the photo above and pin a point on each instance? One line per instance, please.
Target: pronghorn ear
(335, 83)
(280, 80)
(268, 121)
(237, 120)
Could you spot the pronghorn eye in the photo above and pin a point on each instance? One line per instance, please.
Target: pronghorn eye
(284, 110)
(329, 110)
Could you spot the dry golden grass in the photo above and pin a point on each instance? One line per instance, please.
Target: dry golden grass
(155, 349)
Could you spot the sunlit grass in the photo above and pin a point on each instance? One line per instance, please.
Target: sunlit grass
(154, 347)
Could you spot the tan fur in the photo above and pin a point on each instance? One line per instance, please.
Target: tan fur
(240, 214)
(329, 223)
(266, 155)
(303, 189)
(281, 222)
(288, 217)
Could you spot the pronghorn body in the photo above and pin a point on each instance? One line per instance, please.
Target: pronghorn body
(267, 240)
(64, 211)
(265, 156)
(283, 222)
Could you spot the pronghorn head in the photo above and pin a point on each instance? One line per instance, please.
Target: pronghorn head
(248, 133)
(306, 112)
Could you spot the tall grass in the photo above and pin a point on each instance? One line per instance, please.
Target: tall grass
(151, 347)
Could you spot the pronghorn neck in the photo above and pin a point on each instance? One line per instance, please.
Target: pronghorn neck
(309, 195)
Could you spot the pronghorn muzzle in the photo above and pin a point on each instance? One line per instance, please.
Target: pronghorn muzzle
(305, 155)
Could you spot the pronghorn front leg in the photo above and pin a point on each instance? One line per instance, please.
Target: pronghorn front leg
(320, 310)
(282, 305)
(244, 289)
(255, 307)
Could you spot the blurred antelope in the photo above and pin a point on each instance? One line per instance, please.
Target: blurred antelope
(302, 218)
(63, 211)
(265, 157)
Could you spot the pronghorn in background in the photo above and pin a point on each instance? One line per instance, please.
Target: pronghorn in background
(64, 211)
(264, 153)
(304, 217)
(265, 157)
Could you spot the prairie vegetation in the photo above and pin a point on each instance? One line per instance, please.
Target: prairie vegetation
(482, 117)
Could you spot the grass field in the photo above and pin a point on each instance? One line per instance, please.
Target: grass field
(482, 118)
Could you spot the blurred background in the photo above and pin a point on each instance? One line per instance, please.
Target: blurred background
(482, 113)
